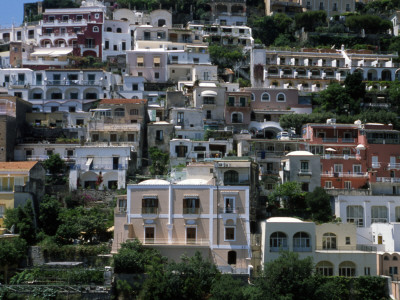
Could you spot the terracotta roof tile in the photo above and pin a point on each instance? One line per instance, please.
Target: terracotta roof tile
(123, 101)
(17, 165)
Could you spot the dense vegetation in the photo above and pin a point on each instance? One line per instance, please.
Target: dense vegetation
(288, 277)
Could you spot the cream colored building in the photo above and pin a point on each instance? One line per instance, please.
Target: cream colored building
(333, 246)
(188, 216)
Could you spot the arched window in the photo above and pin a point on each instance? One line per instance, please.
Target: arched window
(325, 268)
(109, 29)
(355, 214)
(265, 97)
(278, 241)
(231, 177)
(134, 112)
(281, 97)
(329, 241)
(161, 22)
(395, 258)
(119, 30)
(119, 112)
(231, 257)
(237, 117)
(386, 257)
(253, 97)
(95, 29)
(301, 242)
(347, 268)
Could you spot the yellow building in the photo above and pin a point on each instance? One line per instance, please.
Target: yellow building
(14, 179)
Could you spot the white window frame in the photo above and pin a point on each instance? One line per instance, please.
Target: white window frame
(262, 96)
(232, 206)
(347, 185)
(284, 97)
(355, 214)
(253, 97)
(95, 29)
(355, 167)
(380, 217)
(239, 114)
(328, 184)
(234, 234)
(338, 168)
(96, 16)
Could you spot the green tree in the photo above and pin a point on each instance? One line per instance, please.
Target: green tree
(394, 96)
(56, 167)
(159, 161)
(284, 277)
(191, 278)
(319, 205)
(334, 99)
(23, 220)
(226, 287)
(11, 252)
(49, 210)
(370, 23)
(289, 193)
(355, 88)
(132, 257)
(225, 56)
(310, 20)
(59, 4)
(265, 29)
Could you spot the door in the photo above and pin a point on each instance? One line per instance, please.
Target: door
(191, 235)
(149, 235)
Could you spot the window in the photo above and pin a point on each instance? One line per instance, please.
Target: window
(39, 79)
(301, 242)
(347, 269)
(265, 97)
(347, 7)
(397, 214)
(119, 112)
(156, 75)
(329, 241)
(181, 150)
(73, 95)
(134, 112)
(70, 153)
(49, 152)
(338, 168)
(123, 46)
(232, 257)
(149, 235)
(229, 233)
(237, 117)
(304, 167)
(54, 108)
(119, 30)
(156, 62)
(71, 108)
(348, 240)
(109, 29)
(355, 214)
(150, 205)
(37, 96)
(253, 97)
(325, 268)
(159, 135)
(281, 97)
(2, 210)
(393, 270)
(95, 29)
(131, 137)
(196, 60)
(231, 177)
(367, 271)
(278, 241)
(305, 187)
(96, 16)
(140, 61)
(328, 184)
(180, 118)
(208, 100)
(321, 6)
(161, 22)
(334, 7)
(113, 137)
(191, 205)
(379, 214)
(208, 114)
(395, 258)
(357, 169)
(229, 205)
(31, 34)
(347, 185)
(135, 87)
(231, 101)
(242, 101)
(160, 35)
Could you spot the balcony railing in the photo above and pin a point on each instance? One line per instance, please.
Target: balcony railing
(302, 249)
(394, 165)
(173, 242)
(344, 174)
(338, 156)
(5, 189)
(228, 210)
(376, 165)
(388, 179)
(305, 172)
(149, 210)
(330, 140)
(191, 210)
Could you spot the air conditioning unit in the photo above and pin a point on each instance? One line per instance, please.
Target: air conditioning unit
(221, 164)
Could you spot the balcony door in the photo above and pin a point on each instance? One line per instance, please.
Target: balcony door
(191, 235)
(149, 235)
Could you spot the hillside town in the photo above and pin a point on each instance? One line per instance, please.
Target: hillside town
(142, 138)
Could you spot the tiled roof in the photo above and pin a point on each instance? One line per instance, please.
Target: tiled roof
(17, 165)
(123, 101)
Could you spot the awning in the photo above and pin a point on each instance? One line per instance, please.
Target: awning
(140, 59)
(61, 52)
(52, 52)
(89, 161)
(330, 149)
(150, 196)
(190, 196)
(157, 60)
(208, 93)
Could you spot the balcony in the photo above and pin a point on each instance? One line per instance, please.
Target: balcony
(376, 165)
(191, 211)
(394, 165)
(305, 172)
(175, 242)
(330, 140)
(344, 174)
(338, 156)
(72, 82)
(5, 189)
(149, 210)
(388, 179)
